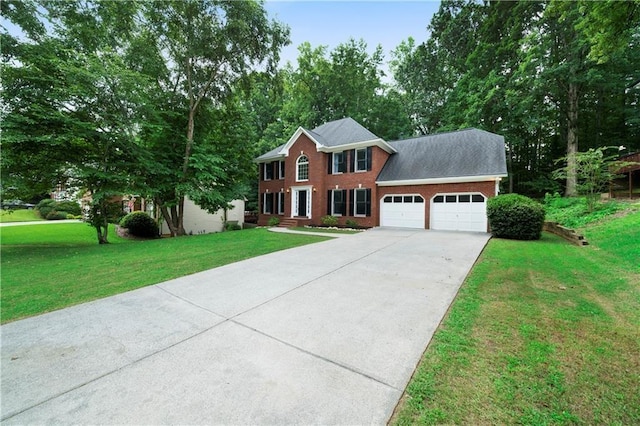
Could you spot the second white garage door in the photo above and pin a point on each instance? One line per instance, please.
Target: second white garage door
(459, 212)
(402, 211)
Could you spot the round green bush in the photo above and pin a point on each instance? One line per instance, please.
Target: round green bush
(56, 215)
(329, 220)
(274, 221)
(70, 207)
(46, 206)
(140, 224)
(515, 217)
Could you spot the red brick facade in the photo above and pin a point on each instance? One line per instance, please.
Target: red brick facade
(320, 182)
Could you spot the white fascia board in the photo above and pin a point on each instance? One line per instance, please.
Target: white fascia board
(433, 181)
(285, 149)
(380, 143)
(278, 156)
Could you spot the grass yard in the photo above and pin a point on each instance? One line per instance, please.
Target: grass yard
(48, 267)
(542, 332)
(20, 215)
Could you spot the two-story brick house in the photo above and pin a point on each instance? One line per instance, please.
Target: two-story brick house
(342, 169)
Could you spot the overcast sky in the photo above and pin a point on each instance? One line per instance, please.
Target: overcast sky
(323, 22)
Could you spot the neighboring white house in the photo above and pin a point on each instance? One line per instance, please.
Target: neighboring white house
(199, 221)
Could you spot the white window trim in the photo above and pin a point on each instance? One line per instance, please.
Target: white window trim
(355, 160)
(264, 203)
(355, 202)
(333, 162)
(333, 203)
(281, 169)
(279, 198)
(298, 169)
(264, 171)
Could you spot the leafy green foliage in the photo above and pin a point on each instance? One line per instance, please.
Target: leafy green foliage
(515, 216)
(45, 207)
(352, 224)
(140, 224)
(329, 220)
(574, 212)
(274, 221)
(593, 170)
(56, 215)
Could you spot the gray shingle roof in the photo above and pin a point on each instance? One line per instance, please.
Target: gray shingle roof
(334, 133)
(342, 132)
(470, 152)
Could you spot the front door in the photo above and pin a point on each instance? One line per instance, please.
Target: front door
(302, 203)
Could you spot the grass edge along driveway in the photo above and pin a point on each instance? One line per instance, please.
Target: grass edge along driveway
(542, 332)
(53, 266)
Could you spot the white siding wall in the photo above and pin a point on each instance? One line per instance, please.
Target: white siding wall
(199, 221)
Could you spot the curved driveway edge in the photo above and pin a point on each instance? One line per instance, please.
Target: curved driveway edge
(328, 333)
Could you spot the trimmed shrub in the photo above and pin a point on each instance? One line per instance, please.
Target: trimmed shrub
(56, 215)
(46, 206)
(274, 221)
(70, 207)
(232, 226)
(515, 217)
(352, 224)
(140, 224)
(329, 220)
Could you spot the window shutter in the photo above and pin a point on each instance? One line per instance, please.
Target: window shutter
(330, 163)
(261, 171)
(261, 203)
(368, 202)
(352, 160)
(343, 207)
(351, 202)
(369, 155)
(271, 196)
(329, 197)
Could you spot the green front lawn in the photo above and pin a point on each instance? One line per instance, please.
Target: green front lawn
(326, 230)
(21, 215)
(52, 266)
(542, 332)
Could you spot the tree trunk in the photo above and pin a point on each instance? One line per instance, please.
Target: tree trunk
(572, 139)
(167, 217)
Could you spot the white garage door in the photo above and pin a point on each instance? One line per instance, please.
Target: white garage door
(402, 211)
(459, 212)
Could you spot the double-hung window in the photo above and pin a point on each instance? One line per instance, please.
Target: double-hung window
(360, 202)
(280, 202)
(337, 202)
(268, 171)
(281, 169)
(338, 163)
(362, 160)
(267, 203)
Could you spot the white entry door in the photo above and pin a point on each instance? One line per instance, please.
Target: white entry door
(459, 212)
(402, 211)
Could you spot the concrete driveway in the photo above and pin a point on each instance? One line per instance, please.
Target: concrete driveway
(328, 333)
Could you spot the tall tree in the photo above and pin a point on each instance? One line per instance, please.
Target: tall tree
(205, 48)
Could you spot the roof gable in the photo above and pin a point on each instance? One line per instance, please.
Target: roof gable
(345, 133)
(464, 153)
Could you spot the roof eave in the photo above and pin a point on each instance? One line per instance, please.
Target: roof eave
(380, 143)
(434, 181)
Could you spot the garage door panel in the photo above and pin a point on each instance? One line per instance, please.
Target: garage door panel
(402, 211)
(459, 212)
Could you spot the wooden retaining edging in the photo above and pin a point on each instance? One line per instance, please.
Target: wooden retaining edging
(566, 233)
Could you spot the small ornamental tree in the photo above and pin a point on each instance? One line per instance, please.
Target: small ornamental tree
(594, 171)
(515, 217)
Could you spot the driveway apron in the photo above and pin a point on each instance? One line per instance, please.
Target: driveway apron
(328, 333)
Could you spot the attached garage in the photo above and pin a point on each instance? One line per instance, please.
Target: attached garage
(402, 211)
(459, 212)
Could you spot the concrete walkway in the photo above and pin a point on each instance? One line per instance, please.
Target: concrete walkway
(328, 333)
